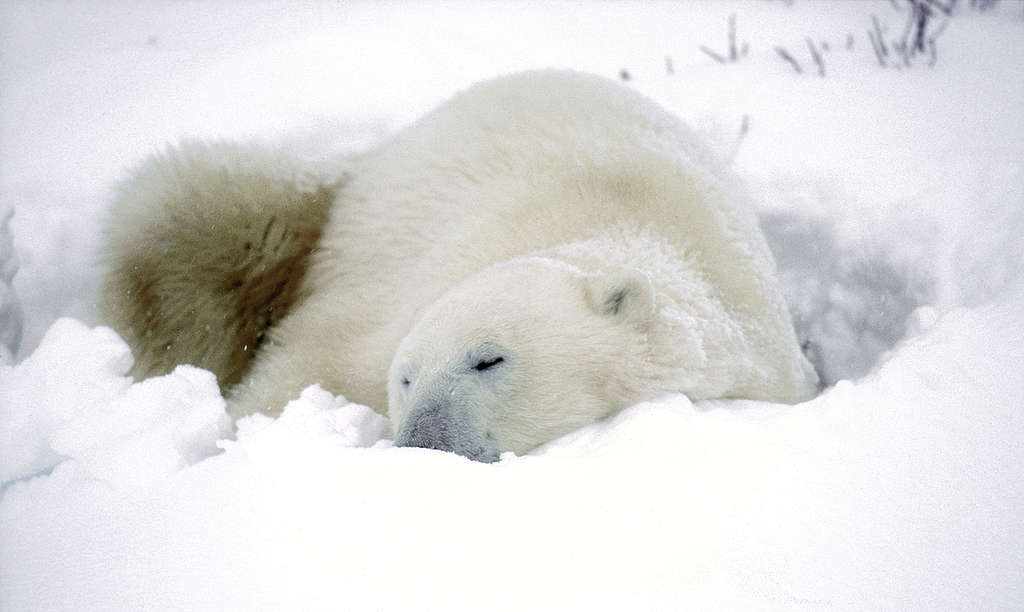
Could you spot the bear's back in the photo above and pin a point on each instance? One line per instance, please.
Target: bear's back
(523, 164)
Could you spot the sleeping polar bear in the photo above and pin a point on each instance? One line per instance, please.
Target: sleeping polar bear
(539, 252)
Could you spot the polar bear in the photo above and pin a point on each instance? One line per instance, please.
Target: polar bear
(538, 252)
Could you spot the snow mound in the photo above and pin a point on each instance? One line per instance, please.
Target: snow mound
(902, 488)
(316, 417)
(70, 405)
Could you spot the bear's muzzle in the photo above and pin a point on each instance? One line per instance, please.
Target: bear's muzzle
(436, 424)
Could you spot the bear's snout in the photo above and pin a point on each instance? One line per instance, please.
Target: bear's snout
(436, 425)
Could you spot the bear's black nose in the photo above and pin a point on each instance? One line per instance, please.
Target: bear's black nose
(428, 426)
(434, 425)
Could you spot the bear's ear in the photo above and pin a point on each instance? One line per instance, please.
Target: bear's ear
(625, 295)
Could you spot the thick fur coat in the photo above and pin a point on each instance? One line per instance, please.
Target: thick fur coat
(554, 223)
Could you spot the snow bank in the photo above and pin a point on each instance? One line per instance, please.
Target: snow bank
(69, 405)
(902, 490)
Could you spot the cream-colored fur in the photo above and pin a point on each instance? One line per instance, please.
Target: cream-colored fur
(568, 172)
(206, 248)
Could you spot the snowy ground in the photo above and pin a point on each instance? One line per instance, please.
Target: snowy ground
(894, 200)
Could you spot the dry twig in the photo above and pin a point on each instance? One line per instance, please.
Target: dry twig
(816, 56)
(789, 58)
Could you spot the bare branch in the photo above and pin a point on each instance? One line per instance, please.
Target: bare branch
(718, 58)
(733, 56)
(735, 51)
(938, 31)
(880, 37)
(878, 43)
(817, 57)
(744, 128)
(789, 58)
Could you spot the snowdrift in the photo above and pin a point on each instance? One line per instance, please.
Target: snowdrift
(902, 490)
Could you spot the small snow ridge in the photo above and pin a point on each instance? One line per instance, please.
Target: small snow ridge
(71, 401)
(315, 418)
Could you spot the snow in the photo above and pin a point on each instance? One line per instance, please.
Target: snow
(10, 308)
(893, 199)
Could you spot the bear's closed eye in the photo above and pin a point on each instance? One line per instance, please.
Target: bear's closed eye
(487, 364)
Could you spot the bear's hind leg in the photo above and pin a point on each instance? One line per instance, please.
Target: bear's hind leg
(206, 249)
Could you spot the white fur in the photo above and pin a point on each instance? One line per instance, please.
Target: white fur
(566, 166)
(557, 218)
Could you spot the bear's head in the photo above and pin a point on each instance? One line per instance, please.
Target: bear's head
(519, 354)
